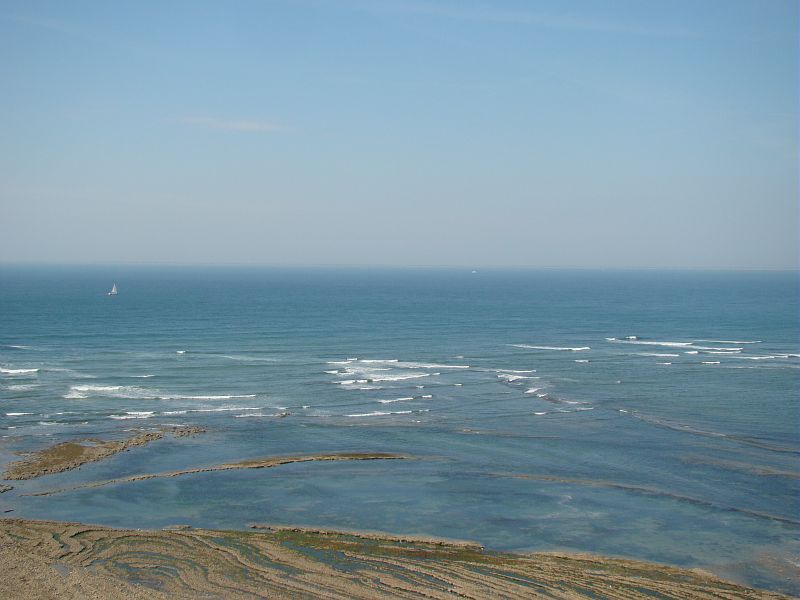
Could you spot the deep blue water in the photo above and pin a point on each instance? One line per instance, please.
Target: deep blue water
(537, 424)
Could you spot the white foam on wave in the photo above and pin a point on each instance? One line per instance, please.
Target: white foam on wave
(692, 352)
(133, 414)
(711, 362)
(17, 414)
(142, 376)
(722, 352)
(80, 392)
(210, 397)
(415, 365)
(729, 341)
(663, 354)
(218, 409)
(528, 346)
(393, 400)
(379, 413)
(126, 417)
(427, 396)
(756, 357)
(581, 360)
(180, 351)
(664, 363)
(379, 360)
(532, 390)
(19, 347)
(361, 371)
(511, 378)
(339, 362)
(514, 370)
(23, 387)
(715, 348)
(681, 345)
(18, 371)
(401, 377)
(77, 392)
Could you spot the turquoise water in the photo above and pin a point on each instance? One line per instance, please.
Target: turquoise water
(537, 422)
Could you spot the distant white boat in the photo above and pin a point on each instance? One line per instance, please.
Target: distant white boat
(113, 291)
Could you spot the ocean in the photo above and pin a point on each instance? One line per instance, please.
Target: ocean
(645, 414)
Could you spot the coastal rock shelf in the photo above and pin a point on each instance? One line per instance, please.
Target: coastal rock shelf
(258, 463)
(40, 559)
(71, 455)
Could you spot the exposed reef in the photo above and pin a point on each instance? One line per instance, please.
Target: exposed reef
(40, 559)
(66, 456)
(258, 463)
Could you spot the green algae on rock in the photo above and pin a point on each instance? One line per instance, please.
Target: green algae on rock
(66, 456)
(282, 562)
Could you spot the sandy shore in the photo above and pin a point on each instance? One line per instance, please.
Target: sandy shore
(40, 559)
(71, 455)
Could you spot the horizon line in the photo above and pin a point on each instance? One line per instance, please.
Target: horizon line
(443, 266)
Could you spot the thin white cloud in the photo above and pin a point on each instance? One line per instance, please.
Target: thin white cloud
(232, 124)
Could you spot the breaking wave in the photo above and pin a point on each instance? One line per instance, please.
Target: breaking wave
(18, 371)
(528, 346)
(80, 392)
(392, 400)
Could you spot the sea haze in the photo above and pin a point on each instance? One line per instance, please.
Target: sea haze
(644, 414)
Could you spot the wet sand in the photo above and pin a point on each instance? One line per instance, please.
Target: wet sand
(73, 454)
(40, 559)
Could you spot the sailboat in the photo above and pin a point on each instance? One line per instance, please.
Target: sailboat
(113, 291)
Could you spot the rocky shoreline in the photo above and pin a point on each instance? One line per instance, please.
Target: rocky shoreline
(44, 559)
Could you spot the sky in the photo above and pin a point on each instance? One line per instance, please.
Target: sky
(522, 133)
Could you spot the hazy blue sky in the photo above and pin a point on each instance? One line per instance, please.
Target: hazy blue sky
(639, 133)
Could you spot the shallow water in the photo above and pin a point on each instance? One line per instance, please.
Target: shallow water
(536, 424)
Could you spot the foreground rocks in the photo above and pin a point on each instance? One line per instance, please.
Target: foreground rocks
(41, 559)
